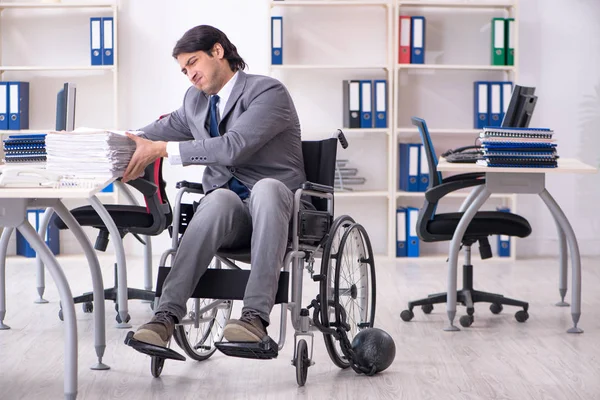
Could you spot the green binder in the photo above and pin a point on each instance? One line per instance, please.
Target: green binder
(509, 33)
(498, 42)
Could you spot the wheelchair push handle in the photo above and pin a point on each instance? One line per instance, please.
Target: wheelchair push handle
(341, 137)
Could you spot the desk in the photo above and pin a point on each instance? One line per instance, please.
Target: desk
(518, 180)
(13, 214)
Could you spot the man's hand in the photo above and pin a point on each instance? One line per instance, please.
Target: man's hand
(146, 151)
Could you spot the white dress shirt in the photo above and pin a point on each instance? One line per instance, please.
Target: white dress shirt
(173, 153)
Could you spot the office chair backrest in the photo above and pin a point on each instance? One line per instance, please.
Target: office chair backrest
(157, 203)
(435, 178)
(319, 165)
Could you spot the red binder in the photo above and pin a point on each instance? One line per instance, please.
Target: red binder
(404, 40)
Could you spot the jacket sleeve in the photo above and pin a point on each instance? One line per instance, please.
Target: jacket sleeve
(267, 115)
(173, 127)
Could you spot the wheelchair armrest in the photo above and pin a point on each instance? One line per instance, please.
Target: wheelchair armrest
(317, 187)
(470, 175)
(434, 194)
(147, 188)
(193, 186)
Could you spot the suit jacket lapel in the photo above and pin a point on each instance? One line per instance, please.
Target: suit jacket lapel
(238, 88)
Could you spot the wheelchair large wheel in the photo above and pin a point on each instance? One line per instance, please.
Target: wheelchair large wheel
(202, 327)
(349, 280)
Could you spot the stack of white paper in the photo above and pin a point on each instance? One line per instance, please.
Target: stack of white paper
(89, 153)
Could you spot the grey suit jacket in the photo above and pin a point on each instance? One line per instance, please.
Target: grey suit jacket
(260, 134)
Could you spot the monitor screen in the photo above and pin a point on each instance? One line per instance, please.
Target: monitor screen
(520, 109)
(65, 107)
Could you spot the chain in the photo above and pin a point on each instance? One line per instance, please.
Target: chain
(339, 333)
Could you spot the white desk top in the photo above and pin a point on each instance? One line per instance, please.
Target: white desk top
(53, 193)
(565, 165)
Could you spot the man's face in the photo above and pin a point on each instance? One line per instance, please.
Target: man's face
(204, 71)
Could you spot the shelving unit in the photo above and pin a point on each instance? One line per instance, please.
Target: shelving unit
(399, 128)
(51, 69)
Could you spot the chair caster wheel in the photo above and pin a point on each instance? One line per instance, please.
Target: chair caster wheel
(427, 308)
(87, 307)
(156, 366)
(521, 316)
(407, 315)
(118, 318)
(496, 308)
(466, 321)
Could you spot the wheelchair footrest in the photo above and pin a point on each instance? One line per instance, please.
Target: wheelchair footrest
(151, 349)
(266, 349)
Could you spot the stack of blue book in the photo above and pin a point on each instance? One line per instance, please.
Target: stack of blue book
(518, 147)
(25, 149)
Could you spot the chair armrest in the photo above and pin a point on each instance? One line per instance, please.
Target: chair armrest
(193, 186)
(434, 194)
(147, 188)
(317, 187)
(470, 175)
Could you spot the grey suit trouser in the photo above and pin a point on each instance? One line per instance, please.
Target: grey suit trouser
(223, 220)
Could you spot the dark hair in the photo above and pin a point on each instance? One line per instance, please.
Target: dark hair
(203, 38)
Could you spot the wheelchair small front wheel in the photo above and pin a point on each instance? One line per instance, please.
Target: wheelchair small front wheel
(302, 362)
(156, 366)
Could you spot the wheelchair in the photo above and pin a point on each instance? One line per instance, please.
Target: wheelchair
(344, 305)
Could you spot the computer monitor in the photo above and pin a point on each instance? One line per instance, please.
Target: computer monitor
(520, 109)
(65, 107)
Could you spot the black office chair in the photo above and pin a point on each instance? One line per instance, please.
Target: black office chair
(151, 219)
(432, 227)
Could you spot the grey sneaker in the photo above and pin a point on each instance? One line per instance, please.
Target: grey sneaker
(249, 328)
(158, 331)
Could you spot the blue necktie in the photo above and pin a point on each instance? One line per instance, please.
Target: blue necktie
(234, 184)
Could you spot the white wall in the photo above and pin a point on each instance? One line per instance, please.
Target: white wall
(559, 54)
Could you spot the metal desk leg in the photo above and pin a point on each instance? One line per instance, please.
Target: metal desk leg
(98, 287)
(121, 267)
(66, 299)
(561, 219)
(3, 249)
(563, 278)
(461, 228)
(39, 265)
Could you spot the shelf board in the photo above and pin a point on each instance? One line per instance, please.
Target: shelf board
(330, 3)
(442, 131)
(444, 257)
(326, 66)
(506, 68)
(359, 131)
(25, 131)
(457, 4)
(363, 193)
(79, 4)
(58, 68)
(459, 195)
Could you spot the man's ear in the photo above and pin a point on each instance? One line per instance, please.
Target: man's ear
(217, 51)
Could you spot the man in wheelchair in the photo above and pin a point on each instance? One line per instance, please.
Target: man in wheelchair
(244, 129)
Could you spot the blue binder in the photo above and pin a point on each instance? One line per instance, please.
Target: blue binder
(401, 230)
(108, 43)
(503, 240)
(276, 40)
(96, 40)
(417, 40)
(52, 235)
(366, 102)
(481, 104)
(18, 105)
(423, 169)
(4, 106)
(380, 103)
(412, 216)
(409, 167)
(495, 108)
